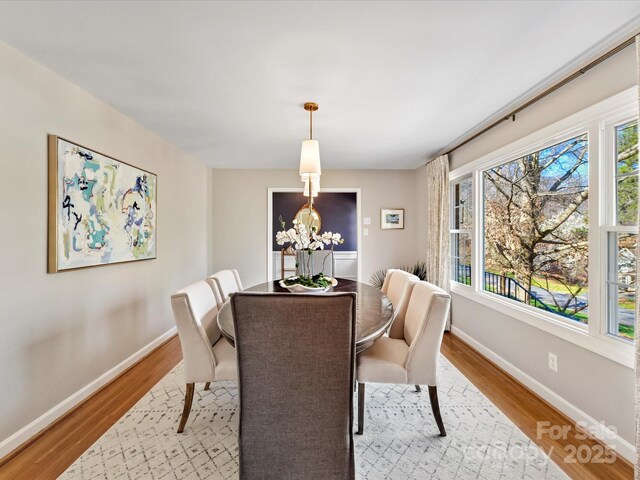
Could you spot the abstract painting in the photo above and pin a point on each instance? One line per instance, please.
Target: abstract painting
(101, 210)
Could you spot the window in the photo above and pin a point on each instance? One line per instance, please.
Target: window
(554, 233)
(461, 228)
(622, 237)
(536, 248)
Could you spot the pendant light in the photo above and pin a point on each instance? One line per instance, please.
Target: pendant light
(310, 159)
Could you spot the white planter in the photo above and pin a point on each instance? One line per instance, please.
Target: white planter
(297, 288)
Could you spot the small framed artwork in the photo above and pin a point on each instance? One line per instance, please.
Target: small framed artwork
(101, 210)
(392, 218)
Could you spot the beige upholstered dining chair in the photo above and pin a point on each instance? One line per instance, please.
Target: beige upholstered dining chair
(412, 359)
(387, 279)
(224, 283)
(207, 356)
(296, 358)
(398, 286)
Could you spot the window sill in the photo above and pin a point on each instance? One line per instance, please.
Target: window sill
(614, 349)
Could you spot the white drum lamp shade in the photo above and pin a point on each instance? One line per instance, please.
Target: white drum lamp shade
(310, 158)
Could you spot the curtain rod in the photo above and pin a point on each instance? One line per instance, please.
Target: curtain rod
(547, 92)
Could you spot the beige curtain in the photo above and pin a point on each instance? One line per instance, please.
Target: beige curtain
(438, 223)
(637, 329)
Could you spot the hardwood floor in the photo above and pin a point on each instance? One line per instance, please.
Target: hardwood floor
(525, 409)
(49, 454)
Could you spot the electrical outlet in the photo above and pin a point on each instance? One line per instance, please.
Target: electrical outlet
(366, 220)
(365, 232)
(553, 362)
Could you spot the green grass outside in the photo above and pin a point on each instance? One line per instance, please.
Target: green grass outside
(626, 331)
(555, 286)
(581, 317)
(627, 304)
(551, 285)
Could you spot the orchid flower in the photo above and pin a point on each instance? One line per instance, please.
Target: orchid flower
(282, 238)
(301, 238)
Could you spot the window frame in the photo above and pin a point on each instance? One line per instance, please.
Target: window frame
(452, 230)
(609, 210)
(593, 121)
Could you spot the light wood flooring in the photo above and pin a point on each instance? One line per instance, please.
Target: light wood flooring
(49, 454)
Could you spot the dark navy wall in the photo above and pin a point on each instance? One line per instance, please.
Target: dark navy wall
(337, 210)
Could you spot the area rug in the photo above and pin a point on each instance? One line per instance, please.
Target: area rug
(400, 441)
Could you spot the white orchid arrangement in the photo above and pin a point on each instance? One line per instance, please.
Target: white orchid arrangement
(302, 238)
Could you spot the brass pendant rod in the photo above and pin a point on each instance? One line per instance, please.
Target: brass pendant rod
(311, 107)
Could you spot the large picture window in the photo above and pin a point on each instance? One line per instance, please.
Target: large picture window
(535, 229)
(554, 237)
(622, 238)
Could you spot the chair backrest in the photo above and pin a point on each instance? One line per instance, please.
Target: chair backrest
(296, 361)
(216, 291)
(424, 322)
(227, 281)
(194, 310)
(387, 279)
(399, 288)
(284, 268)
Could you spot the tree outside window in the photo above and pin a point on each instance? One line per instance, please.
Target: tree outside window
(621, 277)
(536, 229)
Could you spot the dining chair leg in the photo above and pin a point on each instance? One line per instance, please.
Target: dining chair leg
(206, 385)
(188, 399)
(435, 407)
(418, 389)
(360, 408)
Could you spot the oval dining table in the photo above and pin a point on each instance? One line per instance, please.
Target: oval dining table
(374, 310)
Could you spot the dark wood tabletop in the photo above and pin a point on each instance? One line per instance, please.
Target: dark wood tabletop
(374, 310)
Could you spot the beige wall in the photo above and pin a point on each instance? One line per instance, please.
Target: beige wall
(600, 387)
(240, 216)
(61, 331)
(611, 77)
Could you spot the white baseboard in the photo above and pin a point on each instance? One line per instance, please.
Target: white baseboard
(9, 444)
(597, 429)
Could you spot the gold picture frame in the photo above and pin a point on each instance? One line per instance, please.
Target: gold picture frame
(114, 207)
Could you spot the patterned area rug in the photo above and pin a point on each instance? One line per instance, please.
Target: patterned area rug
(400, 441)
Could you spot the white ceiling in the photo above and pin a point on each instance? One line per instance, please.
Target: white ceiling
(225, 81)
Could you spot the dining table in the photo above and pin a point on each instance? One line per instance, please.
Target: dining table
(374, 310)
